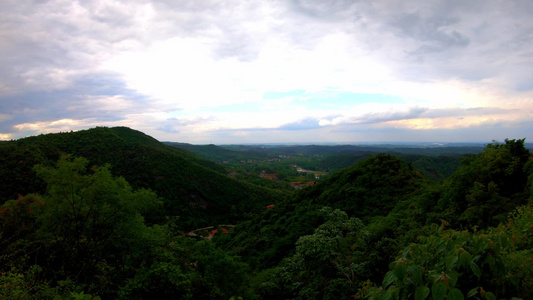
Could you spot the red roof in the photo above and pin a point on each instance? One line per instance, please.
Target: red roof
(224, 230)
(268, 176)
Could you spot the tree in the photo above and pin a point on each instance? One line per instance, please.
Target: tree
(18, 223)
(327, 263)
(91, 221)
(487, 186)
(451, 264)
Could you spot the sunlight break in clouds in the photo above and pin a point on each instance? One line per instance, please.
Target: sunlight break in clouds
(310, 71)
(54, 126)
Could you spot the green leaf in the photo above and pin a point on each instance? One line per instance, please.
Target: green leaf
(438, 290)
(491, 261)
(455, 294)
(472, 292)
(386, 296)
(451, 261)
(388, 279)
(475, 269)
(400, 270)
(416, 273)
(421, 292)
(453, 276)
(490, 296)
(464, 259)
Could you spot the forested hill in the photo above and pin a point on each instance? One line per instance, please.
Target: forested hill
(109, 221)
(368, 189)
(438, 161)
(192, 188)
(380, 230)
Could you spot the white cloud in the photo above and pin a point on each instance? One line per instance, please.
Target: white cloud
(140, 63)
(53, 126)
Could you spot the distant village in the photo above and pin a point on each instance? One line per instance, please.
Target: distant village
(273, 176)
(294, 184)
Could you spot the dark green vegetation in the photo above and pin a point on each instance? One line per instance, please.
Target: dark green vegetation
(438, 162)
(196, 190)
(103, 212)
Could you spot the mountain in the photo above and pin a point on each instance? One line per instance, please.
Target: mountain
(222, 153)
(195, 190)
(379, 229)
(370, 188)
(438, 162)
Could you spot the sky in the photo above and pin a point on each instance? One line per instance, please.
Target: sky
(294, 71)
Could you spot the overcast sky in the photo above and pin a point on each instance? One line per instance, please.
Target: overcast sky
(269, 71)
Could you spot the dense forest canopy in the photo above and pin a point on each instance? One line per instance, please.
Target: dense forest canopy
(108, 212)
(195, 189)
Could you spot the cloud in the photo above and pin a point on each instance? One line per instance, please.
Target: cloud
(301, 125)
(101, 97)
(462, 112)
(175, 125)
(193, 69)
(416, 118)
(386, 116)
(435, 33)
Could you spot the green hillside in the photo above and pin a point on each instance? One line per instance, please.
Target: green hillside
(338, 238)
(438, 162)
(370, 188)
(217, 153)
(108, 212)
(192, 188)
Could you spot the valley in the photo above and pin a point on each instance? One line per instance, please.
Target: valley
(113, 213)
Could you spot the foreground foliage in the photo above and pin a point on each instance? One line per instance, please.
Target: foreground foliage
(451, 264)
(379, 229)
(88, 235)
(193, 188)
